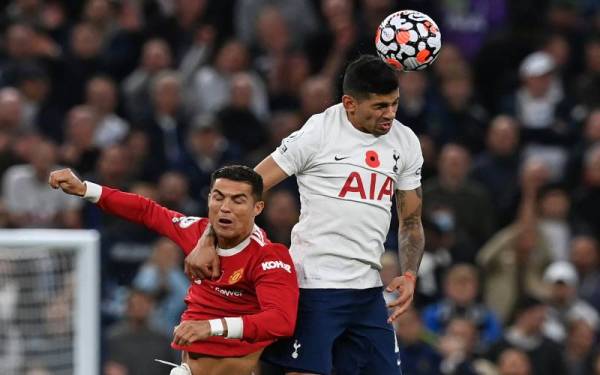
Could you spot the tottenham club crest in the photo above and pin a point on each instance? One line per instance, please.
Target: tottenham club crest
(396, 156)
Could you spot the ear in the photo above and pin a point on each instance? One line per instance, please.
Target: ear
(258, 207)
(349, 103)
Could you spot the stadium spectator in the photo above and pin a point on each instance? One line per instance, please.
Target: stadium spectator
(457, 346)
(11, 111)
(590, 135)
(464, 199)
(161, 276)
(554, 209)
(316, 95)
(539, 106)
(586, 198)
(456, 116)
(461, 289)
(419, 356)
(280, 126)
(585, 257)
(588, 81)
(173, 193)
(209, 91)
(497, 167)
(134, 344)
(78, 149)
(167, 124)
(238, 122)
(102, 96)
(514, 362)
(156, 57)
(206, 150)
(526, 334)
(39, 108)
(281, 214)
(580, 347)
(564, 306)
(298, 14)
(514, 259)
(29, 202)
(83, 61)
(414, 106)
(437, 259)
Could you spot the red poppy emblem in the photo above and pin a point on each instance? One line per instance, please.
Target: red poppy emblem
(372, 159)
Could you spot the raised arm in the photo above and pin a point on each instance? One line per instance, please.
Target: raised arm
(271, 172)
(411, 242)
(130, 207)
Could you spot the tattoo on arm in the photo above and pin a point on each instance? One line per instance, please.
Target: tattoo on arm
(411, 239)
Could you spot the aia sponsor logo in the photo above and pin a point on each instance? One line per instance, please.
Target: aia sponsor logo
(273, 264)
(378, 188)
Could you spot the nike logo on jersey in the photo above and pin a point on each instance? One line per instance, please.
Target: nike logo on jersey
(338, 158)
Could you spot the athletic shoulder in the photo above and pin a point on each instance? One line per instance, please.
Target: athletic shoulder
(403, 130)
(325, 120)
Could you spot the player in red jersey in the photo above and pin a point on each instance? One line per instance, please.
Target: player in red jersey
(230, 320)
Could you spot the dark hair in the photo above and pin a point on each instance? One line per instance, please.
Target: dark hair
(369, 75)
(240, 173)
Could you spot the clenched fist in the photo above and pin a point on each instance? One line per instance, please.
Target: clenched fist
(67, 181)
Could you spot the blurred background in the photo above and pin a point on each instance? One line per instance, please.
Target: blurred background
(150, 96)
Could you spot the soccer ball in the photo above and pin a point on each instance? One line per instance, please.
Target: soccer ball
(408, 40)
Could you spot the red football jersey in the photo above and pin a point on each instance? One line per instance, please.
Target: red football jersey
(258, 281)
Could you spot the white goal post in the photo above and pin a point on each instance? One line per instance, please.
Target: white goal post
(50, 288)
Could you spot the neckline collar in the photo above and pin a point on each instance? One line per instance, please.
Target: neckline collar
(234, 250)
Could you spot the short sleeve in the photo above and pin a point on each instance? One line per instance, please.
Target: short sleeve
(409, 178)
(297, 150)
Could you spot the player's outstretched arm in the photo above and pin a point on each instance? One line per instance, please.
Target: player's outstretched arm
(128, 206)
(411, 240)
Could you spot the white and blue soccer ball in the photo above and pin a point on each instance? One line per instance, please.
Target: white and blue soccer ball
(408, 40)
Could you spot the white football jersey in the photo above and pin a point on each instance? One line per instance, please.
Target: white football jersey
(346, 180)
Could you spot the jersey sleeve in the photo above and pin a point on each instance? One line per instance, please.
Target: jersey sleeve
(276, 286)
(183, 230)
(297, 150)
(409, 178)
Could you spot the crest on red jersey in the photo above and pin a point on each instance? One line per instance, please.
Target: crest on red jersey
(236, 276)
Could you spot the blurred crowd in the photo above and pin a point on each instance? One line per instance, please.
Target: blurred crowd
(150, 96)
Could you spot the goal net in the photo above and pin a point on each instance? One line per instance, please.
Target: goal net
(49, 309)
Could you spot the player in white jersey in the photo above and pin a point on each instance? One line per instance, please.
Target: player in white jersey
(350, 161)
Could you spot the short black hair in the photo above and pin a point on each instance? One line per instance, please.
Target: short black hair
(240, 173)
(369, 75)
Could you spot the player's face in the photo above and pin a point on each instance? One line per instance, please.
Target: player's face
(231, 211)
(374, 114)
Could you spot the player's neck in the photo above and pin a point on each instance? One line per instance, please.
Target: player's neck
(231, 242)
(354, 122)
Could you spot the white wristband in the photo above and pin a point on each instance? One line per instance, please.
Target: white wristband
(216, 327)
(235, 328)
(92, 192)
